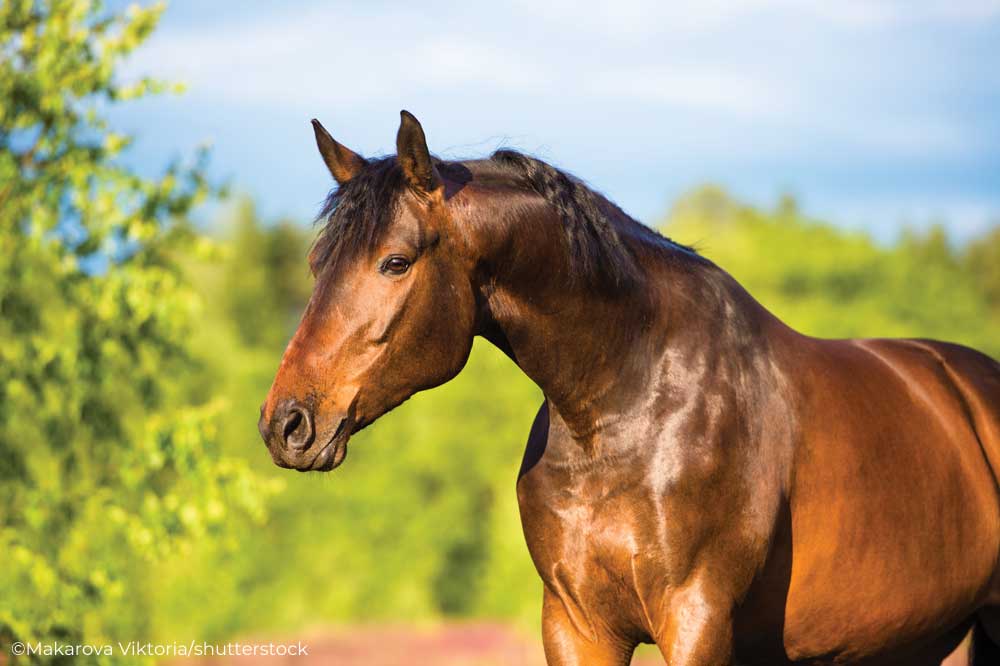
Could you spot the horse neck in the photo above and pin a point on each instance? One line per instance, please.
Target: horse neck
(598, 357)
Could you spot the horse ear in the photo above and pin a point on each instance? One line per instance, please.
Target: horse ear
(414, 158)
(342, 162)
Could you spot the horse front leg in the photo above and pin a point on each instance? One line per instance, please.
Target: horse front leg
(697, 628)
(566, 645)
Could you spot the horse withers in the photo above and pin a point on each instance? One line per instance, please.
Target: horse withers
(700, 475)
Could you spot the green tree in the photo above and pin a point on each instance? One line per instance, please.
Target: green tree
(267, 281)
(834, 283)
(982, 261)
(105, 464)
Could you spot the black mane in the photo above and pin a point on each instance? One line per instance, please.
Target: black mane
(602, 258)
(356, 214)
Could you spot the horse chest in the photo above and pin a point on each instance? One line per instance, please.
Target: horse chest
(599, 548)
(623, 512)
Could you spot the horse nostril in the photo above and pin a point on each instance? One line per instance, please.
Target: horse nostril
(297, 430)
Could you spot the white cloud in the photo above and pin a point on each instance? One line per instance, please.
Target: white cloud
(685, 57)
(694, 88)
(329, 57)
(636, 17)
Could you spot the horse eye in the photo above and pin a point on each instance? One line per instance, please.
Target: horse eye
(395, 265)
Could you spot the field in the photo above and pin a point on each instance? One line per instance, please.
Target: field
(458, 644)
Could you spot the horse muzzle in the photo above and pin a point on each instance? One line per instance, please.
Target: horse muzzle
(294, 441)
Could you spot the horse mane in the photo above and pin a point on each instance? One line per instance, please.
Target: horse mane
(356, 214)
(599, 253)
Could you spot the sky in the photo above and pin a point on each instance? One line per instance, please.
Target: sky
(873, 114)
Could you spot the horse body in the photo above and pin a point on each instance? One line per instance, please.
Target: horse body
(700, 476)
(851, 515)
(894, 496)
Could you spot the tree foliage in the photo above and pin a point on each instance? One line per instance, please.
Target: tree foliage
(834, 283)
(982, 258)
(106, 466)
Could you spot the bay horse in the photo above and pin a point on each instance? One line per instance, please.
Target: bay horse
(700, 475)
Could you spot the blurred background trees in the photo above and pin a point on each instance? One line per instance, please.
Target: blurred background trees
(136, 499)
(107, 465)
(830, 282)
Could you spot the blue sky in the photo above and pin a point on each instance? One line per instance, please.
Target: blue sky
(874, 114)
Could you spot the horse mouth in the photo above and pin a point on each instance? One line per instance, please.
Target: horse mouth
(333, 453)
